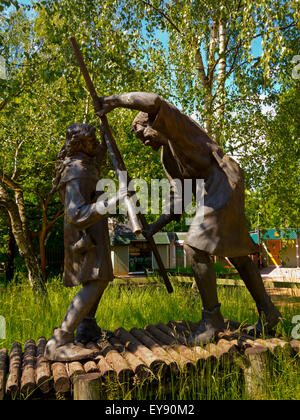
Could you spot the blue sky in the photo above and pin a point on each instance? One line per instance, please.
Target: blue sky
(256, 47)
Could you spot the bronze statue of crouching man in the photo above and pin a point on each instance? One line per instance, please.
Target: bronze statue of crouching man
(187, 152)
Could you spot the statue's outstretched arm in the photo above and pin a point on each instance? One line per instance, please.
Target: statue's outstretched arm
(82, 214)
(141, 101)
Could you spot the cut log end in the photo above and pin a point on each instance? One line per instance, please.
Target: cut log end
(61, 379)
(3, 371)
(88, 387)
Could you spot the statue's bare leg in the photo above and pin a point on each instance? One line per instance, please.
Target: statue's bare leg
(269, 315)
(61, 347)
(88, 330)
(83, 303)
(93, 311)
(212, 320)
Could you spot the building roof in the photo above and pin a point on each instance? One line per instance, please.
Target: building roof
(274, 234)
(125, 238)
(180, 236)
(162, 238)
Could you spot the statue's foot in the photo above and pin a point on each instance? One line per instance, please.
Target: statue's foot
(211, 324)
(88, 331)
(269, 317)
(60, 348)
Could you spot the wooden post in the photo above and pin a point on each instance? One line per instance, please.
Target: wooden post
(154, 363)
(138, 366)
(15, 363)
(182, 362)
(3, 371)
(295, 344)
(142, 336)
(43, 375)
(61, 378)
(28, 369)
(195, 353)
(88, 388)
(256, 371)
(186, 356)
(276, 346)
(90, 367)
(106, 371)
(114, 358)
(75, 369)
(297, 249)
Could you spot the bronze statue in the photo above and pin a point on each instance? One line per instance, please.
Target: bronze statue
(86, 240)
(189, 153)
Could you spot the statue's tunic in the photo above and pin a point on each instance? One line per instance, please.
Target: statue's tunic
(192, 154)
(86, 235)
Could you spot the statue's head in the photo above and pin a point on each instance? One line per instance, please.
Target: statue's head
(81, 138)
(142, 128)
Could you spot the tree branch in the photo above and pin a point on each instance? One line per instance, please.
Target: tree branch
(233, 100)
(212, 52)
(147, 3)
(16, 158)
(257, 36)
(11, 184)
(201, 68)
(5, 102)
(55, 219)
(4, 196)
(19, 199)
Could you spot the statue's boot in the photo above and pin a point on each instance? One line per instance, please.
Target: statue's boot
(61, 348)
(211, 324)
(88, 330)
(269, 317)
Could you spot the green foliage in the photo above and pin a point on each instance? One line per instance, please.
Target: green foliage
(7, 3)
(272, 164)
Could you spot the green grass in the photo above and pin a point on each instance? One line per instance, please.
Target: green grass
(135, 307)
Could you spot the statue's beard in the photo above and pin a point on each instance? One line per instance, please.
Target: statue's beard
(153, 138)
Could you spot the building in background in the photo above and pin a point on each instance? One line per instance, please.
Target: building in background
(279, 247)
(131, 255)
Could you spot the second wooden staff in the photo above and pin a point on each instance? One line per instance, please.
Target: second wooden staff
(119, 165)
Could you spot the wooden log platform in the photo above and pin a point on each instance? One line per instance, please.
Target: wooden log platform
(130, 357)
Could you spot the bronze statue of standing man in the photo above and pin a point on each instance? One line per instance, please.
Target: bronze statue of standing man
(189, 153)
(86, 240)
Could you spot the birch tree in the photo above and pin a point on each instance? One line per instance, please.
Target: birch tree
(210, 51)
